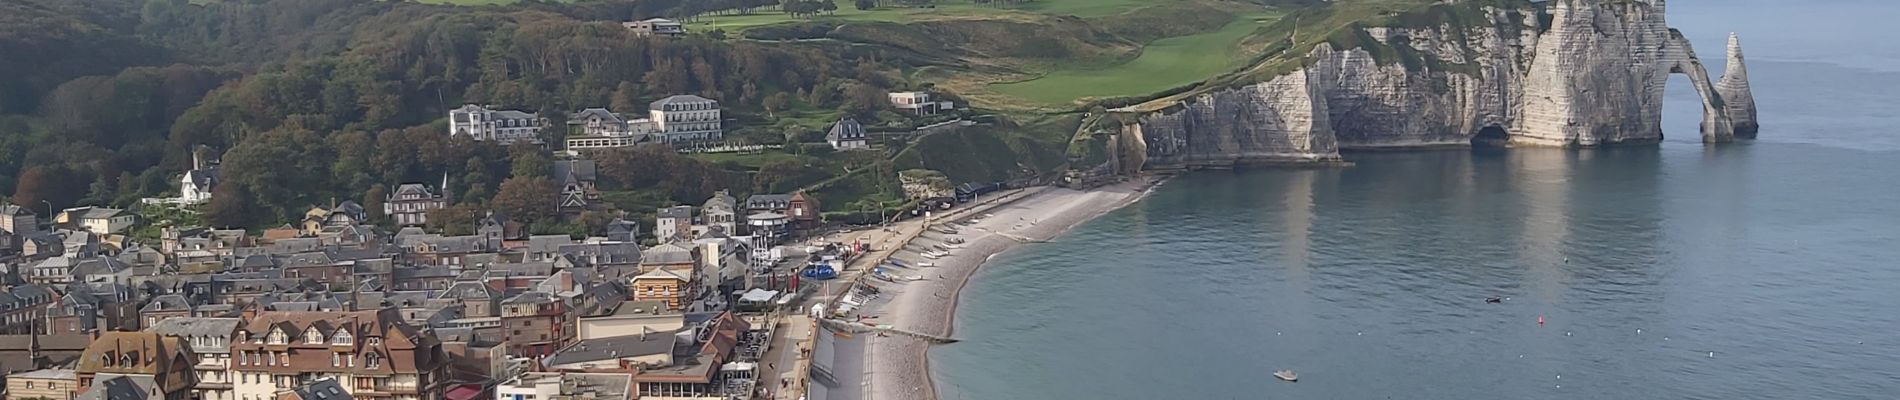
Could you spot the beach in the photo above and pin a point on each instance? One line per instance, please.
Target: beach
(922, 297)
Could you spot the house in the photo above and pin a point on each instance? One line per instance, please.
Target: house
(102, 270)
(210, 339)
(721, 211)
(346, 214)
(195, 186)
(803, 209)
(673, 287)
(672, 223)
(577, 184)
(51, 383)
(655, 27)
(628, 319)
(621, 230)
(597, 122)
(684, 118)
(799, 208)
(323, 389)
(94, 307)
(621, 353)
(99, 220)
(23, 307)
(693, 373)
(160, 365)
(475, 299)
(410, 203)
(598, 128)
(503, 126)
(558, 385)
(669, 256)
(18, 220)
(847, 134)
(375, 352)
(771, 228)
(535, 324)
(40, 351)
(919, 103)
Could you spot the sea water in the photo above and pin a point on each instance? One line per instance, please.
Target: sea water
(1763, 270)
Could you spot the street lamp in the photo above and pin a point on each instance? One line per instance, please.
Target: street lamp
(49, 210)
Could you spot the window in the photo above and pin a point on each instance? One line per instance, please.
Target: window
(311, 336)
(343, 338)
(372, 361)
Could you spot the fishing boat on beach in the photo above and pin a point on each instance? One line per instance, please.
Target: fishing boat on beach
(1287, 375)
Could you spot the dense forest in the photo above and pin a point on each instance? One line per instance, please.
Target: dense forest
(314, 101)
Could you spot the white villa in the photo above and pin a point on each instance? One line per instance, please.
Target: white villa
(676, 119)
(919, 103)
(505, 126)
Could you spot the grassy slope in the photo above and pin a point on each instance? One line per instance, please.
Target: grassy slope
(1163, 64)
(950, 9)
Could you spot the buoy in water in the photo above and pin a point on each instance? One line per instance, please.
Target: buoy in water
(1540, 320)
(1711, 354)
(1566, 333)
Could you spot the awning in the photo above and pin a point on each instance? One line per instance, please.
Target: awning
(758, 296)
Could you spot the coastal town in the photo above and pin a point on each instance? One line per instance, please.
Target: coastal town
(733, 297)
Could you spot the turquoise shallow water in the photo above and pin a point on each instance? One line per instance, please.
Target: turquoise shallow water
(1782, 257)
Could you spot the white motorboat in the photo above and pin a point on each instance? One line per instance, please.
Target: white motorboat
(1287, 375)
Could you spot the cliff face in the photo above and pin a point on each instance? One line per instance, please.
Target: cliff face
(1576, 73)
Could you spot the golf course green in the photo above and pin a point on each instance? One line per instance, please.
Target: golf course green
(1163, 64)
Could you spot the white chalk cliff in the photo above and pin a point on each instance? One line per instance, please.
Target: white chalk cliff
(1562, 73)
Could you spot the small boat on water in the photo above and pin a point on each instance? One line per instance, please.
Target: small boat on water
(1287, 375)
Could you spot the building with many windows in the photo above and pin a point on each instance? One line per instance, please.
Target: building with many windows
(685, 118)
(374, 354)
(210, 339)
(410, 204)
(505, 126)
(144, 364)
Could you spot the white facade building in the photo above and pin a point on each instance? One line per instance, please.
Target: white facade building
(685, 118)
(919, 103)
(505, 126)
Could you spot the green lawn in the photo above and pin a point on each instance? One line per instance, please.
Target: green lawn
(748, 160)
(946, 9)
(1163, 64)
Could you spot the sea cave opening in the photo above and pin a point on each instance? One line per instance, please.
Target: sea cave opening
(1491, 136)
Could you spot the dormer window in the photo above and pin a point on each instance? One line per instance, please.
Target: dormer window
(372, 360)
(277, 336)
(343, 338)
(311, 336)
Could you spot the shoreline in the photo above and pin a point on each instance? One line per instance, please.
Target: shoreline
(897, 366)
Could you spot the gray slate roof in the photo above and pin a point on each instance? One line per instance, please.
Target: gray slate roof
(675, 212)
(200, 326)
(846, 129)
(678, 99)
(667, 253)
(616, 347)
(578, 170)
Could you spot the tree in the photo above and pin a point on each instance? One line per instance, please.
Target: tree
(527, 199)
(776, 102)
(529, 161)
(864, 100)
(455, 220)
(866, 4)
(626, 97)
(373, 202)
(230, 206)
